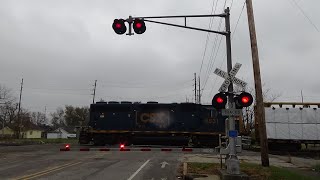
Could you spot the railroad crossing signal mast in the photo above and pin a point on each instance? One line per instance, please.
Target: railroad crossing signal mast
(139, 28)
(236, 101)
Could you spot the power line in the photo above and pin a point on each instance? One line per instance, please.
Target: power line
(142, 85)
(211, 62)
(233, 33)
(63, 93)
(214, 60)
(235, 28)
(305, 15)
(57, 89)
(208, 34)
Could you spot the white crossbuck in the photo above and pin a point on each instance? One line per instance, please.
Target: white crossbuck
(230, 77)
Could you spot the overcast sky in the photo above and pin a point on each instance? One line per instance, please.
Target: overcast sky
(61, 47)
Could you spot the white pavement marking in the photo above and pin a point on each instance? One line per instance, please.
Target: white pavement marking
(163, 164)
(135, 173)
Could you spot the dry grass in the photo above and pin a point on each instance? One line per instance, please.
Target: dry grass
(255, 172)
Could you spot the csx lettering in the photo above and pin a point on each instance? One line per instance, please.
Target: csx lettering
(160, 119)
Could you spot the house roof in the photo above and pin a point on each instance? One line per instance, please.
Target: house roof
(6, 127)
(70, 130)
(33, 127)
(46, 128)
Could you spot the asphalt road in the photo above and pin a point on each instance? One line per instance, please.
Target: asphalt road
(47, 162)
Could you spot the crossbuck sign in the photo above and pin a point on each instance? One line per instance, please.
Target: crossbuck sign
(230, 77)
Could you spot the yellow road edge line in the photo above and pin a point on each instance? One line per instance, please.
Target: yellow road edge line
(52, 169)
(47, 170)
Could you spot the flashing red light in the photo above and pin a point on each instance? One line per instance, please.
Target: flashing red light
(67, 146)
(118, 25)
(121, 146)
(245, 99)
(138, 25)
(219, 100)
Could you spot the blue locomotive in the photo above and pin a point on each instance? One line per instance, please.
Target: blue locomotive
(153, 123)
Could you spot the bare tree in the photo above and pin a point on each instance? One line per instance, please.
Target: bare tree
(38, 118)
(8, 106)
(57, 118)
(248, 112)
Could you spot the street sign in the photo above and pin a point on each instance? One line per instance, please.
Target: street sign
(231, 112)
(239, 82)
(234, 70)
(220, 73)
(230, 77)
(233, 133)
(224, 86)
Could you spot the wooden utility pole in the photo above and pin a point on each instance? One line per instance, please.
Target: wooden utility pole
(260, 114)
(19, 109)
(45, 114)
(195, 88)
(94, 91)
(199, 91)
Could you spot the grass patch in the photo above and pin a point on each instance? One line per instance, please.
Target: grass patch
(40, 141)
(272, 173)
(255, 171)
(203, 168)
(316, 167)
(280, 173)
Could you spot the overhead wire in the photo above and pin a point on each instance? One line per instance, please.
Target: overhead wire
(232, 35)
(213, 10)
(217, 50)
(212, 61)
(57, 89)
(305, 15)
(103, 85)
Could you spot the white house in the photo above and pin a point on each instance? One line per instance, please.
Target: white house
(60, 133)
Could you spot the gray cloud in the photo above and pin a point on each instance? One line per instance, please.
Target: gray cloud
(61, 47)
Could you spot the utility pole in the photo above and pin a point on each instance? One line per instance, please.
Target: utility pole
(3, 119)
(195, 88)
(45, 114)
(94, 91)
(19, 108)
(301, 97)
(260, 113)
(199, 91)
